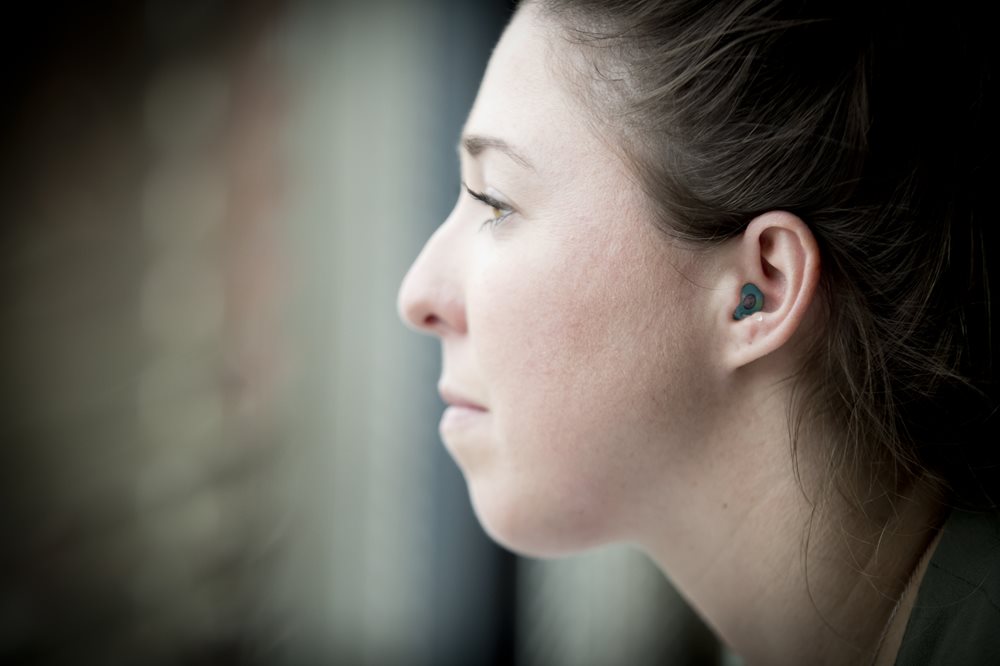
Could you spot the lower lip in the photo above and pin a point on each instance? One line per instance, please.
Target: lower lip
(456, 417)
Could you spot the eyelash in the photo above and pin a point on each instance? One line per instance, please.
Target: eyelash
(498, 206)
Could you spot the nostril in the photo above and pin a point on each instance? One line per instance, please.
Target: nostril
(428, 304)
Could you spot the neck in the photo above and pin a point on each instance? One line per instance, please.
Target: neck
(781, 578)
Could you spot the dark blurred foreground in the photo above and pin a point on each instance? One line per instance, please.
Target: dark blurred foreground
(140, 349)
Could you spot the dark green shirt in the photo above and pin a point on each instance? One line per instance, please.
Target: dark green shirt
(956, 619)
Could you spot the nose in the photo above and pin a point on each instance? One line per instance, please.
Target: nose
(431, 299)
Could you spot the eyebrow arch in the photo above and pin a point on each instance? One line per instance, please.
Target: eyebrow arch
(475, 144)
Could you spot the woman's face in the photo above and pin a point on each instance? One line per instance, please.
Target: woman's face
(572, 322)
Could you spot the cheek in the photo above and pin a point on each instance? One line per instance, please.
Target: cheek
(583, 370)
(545, 331)
(584, 330)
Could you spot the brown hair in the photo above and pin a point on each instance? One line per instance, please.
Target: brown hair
(869, 123)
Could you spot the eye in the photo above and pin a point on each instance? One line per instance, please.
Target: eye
(500, 211)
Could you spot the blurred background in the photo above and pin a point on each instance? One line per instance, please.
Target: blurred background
(219, 444)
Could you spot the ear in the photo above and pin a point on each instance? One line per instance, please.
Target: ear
(778, 254)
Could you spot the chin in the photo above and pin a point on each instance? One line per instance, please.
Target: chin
(531, 527)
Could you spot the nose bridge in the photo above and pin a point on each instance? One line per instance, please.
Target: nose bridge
(431, 297)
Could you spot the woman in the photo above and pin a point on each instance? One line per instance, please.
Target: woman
(715, 286)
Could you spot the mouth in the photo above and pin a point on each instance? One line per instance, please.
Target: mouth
(456, 399)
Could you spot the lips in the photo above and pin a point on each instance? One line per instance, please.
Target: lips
(457, 399)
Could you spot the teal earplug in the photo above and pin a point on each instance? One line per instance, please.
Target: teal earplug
(751, 300)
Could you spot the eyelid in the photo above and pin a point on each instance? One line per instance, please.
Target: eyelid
(487, 199)
(492, 202)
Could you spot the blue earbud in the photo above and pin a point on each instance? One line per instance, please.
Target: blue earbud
(751, 300)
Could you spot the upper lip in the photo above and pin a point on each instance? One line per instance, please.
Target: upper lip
(456, 399)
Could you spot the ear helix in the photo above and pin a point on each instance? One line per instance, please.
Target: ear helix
(751, 301)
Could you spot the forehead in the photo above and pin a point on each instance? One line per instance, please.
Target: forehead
(522, 98)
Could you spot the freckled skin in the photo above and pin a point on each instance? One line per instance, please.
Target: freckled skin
(577, 320)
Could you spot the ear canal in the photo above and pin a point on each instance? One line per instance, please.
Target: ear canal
(751, 300)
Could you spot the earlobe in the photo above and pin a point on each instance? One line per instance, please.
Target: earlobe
(773, 275)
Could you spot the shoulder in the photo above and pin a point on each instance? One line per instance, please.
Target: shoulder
(956, 619)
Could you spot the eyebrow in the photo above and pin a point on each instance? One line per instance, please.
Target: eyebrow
(475, 144)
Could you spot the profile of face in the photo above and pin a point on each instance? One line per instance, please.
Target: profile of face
(573, 332)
